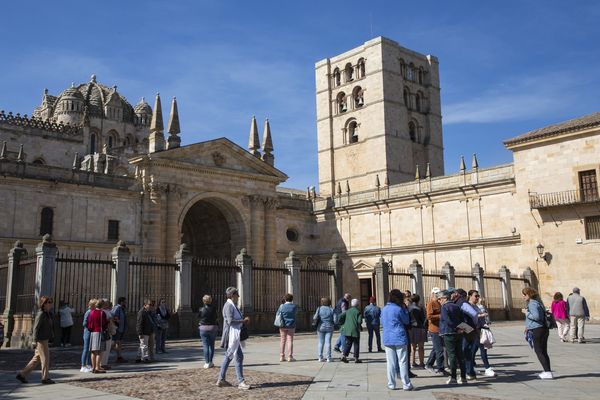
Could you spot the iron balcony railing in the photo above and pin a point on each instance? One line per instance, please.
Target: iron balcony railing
(564, 198)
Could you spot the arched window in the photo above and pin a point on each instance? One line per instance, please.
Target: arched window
(361, 68)
(403, 68)
(349, 71)
(337, 77)
(110, 142)
(92, 143)
(357, 95)
(421, 75)
(412, 131)
(418, 102)
(407, 98)
(411, 72)
(39, 161)
(353, 132)
(341, 102)
(46, 221)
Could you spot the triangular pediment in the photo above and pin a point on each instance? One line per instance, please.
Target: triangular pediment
(362, 266)
(218, 155)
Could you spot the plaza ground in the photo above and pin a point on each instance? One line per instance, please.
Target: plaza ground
(178, 374)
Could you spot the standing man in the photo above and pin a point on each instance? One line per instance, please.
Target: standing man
(451, 317)
(351, 322)
(372, 316)
(342, 305)
(144, 328)
(119, 313)
(578, 313)
(434, 312)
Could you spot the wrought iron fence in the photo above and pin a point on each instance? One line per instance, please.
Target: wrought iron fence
(150, 279)
(493, 292)
(211, 277)
(25, 285)
(464, 281)
(516, 287)
(3, 285)
(81, 277)
(566, 197)
(314, 284)
(400, 279)
(432, 279)
(269, 287)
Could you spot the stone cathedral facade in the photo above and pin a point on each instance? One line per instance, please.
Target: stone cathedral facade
(91, 168)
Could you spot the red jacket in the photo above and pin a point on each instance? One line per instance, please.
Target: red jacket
(97, 321)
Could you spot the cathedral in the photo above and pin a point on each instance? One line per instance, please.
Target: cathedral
(90, 168)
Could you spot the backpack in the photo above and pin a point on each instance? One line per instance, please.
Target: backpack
(549, 320)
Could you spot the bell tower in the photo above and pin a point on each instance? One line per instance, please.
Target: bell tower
(378, 117)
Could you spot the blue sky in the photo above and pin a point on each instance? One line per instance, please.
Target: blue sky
(506, 67)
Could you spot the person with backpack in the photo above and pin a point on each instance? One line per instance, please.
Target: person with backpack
(342, 305)
(537, 330)
(325, 320)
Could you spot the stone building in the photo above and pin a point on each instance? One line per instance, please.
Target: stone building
(91, 169)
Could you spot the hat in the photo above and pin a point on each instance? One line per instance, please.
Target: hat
(435, 290)
(442, 293)
(450, 290)
(372, 299)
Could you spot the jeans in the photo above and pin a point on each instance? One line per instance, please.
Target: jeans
(397, 364)
(469, 349)
(161, 338)
(324, 337)
(239, 364)
(86, 358)
(437, 352)
(341, 342)
(371, 329)
(208, 344)
(143, 349)
(484, 357)
(540, 346)
(350, 341)
(453, 344)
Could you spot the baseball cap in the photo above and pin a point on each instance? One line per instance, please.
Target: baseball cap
(435, 290)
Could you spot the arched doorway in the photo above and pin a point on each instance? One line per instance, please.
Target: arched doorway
(206, 231)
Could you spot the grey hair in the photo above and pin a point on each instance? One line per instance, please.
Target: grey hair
(230, 291)
(354, 302)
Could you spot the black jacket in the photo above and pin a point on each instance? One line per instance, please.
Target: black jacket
(43, 327)
(208, 315)
(144, 325)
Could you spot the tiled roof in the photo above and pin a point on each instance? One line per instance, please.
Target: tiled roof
(587, 121)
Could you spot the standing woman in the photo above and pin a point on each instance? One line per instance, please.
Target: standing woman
(208, 328)
(417, 334)
(231, 341)
(288, 326)
(325, 320)
(394, 319)
(112, 330)
(86, 360)
(66, 323)
(535, 325)
(97, 324)
(162, 318)
(561, 315)
(43, 331)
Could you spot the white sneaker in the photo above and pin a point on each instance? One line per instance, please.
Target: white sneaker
(546, 375)
(451, 381)
(243, 385)
(489, 372)
(461, 381)
(321, 359)
(84, 369)
(329, 359)
(206, 366)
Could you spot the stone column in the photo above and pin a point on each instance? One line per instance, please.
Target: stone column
(506, 289)
(382, 281)
(448, 270)
(530, 276)
(336, 269)
(270, 230)
(14, 257)
(416, 272)
(478, 276)
(292, 263)
(45, 270)
(155, 232)
(183, 279)
(245, 284)
(120, 272)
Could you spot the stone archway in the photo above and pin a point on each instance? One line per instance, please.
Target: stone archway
(212, 229)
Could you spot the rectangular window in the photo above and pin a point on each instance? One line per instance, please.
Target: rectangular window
(113, 229)
(588, 185)
(592, 227)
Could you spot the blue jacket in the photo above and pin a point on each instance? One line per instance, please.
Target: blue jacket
(394, 320)
(120, 313)
(372, 315)
(85, 319)
(451, 317)
(288, 315)
(325, 319)
(536, 316)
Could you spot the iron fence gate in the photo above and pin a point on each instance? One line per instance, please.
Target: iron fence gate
(150, 279)
(494, 294)
(25, 285)
(269, 287)
(212, 277)
(400, 279)
(314, 284)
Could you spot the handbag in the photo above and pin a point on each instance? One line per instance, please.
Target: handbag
(549, 320)
(487, 338)
(278, 321)
(244, 333)
(105, 335)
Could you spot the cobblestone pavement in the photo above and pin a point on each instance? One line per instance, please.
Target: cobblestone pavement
(178, 374)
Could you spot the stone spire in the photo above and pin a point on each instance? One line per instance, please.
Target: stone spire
(427, 172)
(21, 156)
(339, 189)
(253, 141)
(474, 163)
(417, 173)
(347, 187)
(76, 162)
(3, 151)
(174, 130)
(377, 183)
(268, 145)
(462, 166)
(156, 138)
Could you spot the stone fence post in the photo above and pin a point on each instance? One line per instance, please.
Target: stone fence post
(244, 281)
(183, 279)
(292, 263)
(45, 270)
(14, 257)
(120, 274)
(382, 281)
(336, 270)
(530, 276)
(478, 276)
(448, 270)
(416, 273)
(506, 289)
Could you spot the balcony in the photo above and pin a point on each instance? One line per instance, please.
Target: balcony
(565, 198)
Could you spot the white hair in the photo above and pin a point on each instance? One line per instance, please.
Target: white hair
(354, 302)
